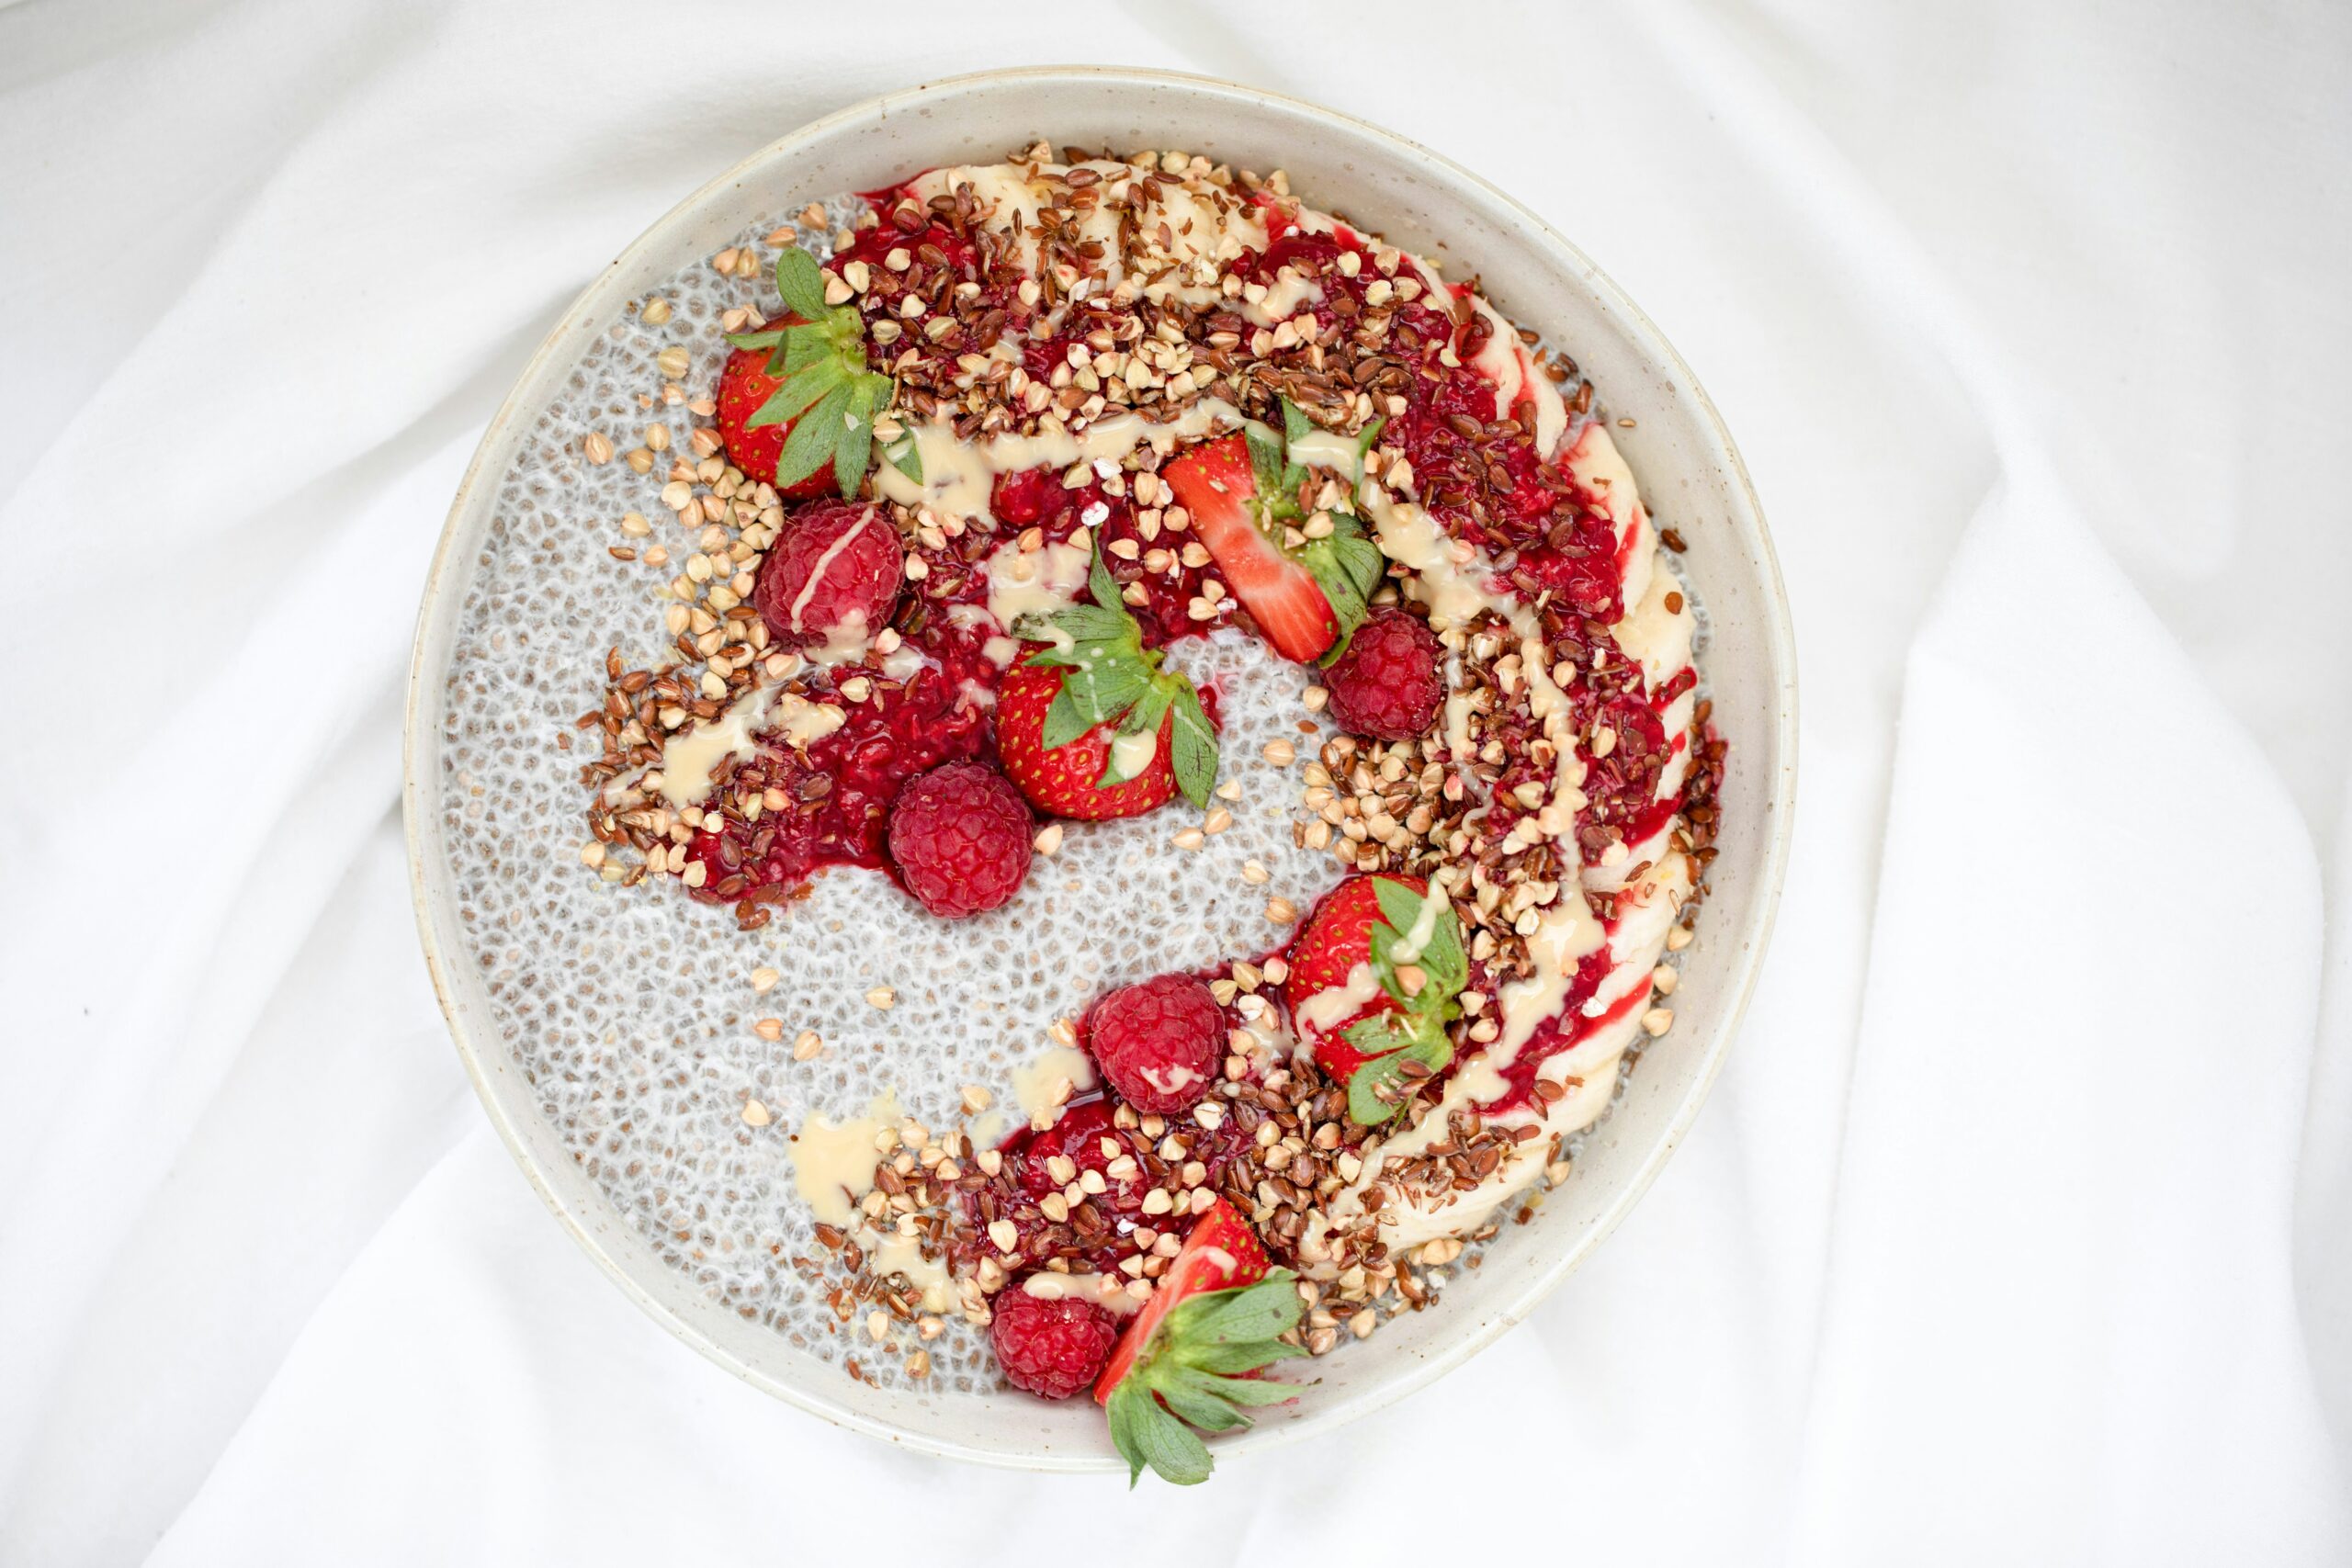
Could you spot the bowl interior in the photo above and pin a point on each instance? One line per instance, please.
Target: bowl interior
(1691, 478)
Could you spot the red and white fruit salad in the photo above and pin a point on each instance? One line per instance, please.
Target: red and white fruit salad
(971, 482)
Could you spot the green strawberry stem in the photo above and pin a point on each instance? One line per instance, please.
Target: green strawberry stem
(828, 395)
(1189, 1376)
(1113, 679)
(1415, 1033)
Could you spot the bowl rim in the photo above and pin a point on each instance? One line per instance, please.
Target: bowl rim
(1756, 938)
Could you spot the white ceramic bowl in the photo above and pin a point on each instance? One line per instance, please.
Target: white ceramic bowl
(1688, 469)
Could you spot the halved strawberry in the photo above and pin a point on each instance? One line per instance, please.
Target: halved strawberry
(1091, 727)
(1387, 965)
(1219, 1313)
(796, 401)
(1304, 577)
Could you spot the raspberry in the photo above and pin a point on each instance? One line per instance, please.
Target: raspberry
(1050, 1345)
(960, 835)
(1157, 1043)
(836, 568)
(1386, 684)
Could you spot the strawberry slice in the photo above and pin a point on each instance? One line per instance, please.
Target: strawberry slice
(1304, 578)
(1219, 1313)
(1372, 986)
(1215, 484)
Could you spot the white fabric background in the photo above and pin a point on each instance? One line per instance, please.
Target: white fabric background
(2016, 1229)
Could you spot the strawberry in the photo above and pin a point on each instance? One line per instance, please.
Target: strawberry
(1373, 1003)
(1066, 781)
(1304, 576)
(744, 387)
(796, 398)
(1219, 1313)
(1090, 726)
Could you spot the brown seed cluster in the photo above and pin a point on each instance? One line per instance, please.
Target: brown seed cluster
(891, 1312)
(722, 648)
(1272, 1138)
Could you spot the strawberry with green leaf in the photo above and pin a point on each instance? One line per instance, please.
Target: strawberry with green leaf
(796, 399)
(1090, 726)
(1219, 1314)
(1374, 981)
(1306, 576)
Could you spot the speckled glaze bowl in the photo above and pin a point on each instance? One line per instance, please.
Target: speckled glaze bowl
(1688, 471)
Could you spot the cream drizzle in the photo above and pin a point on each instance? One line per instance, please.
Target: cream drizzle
(1108, 1291)
(1634, 949)
(1404, 1226)
(1326, 1010)
(1131, 754)
(1451, 583)
(1565, 934)
(1549, 706)
(895, 1253)
(1503, 360)
(832, 1162)
(1038, 1083)
(957, 475)
(692, 756)
(845, 642)
(1415, 938)
(1320, 449)
(1458, 742)
(1450, 576)
(1035, 583)
(1268, 304)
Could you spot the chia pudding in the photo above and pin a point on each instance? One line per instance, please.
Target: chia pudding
(994, 454)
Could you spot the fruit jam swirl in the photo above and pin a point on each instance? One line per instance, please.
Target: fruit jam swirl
(1055, 361)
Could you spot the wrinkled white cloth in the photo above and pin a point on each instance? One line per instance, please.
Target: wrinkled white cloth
(2016, 1230)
